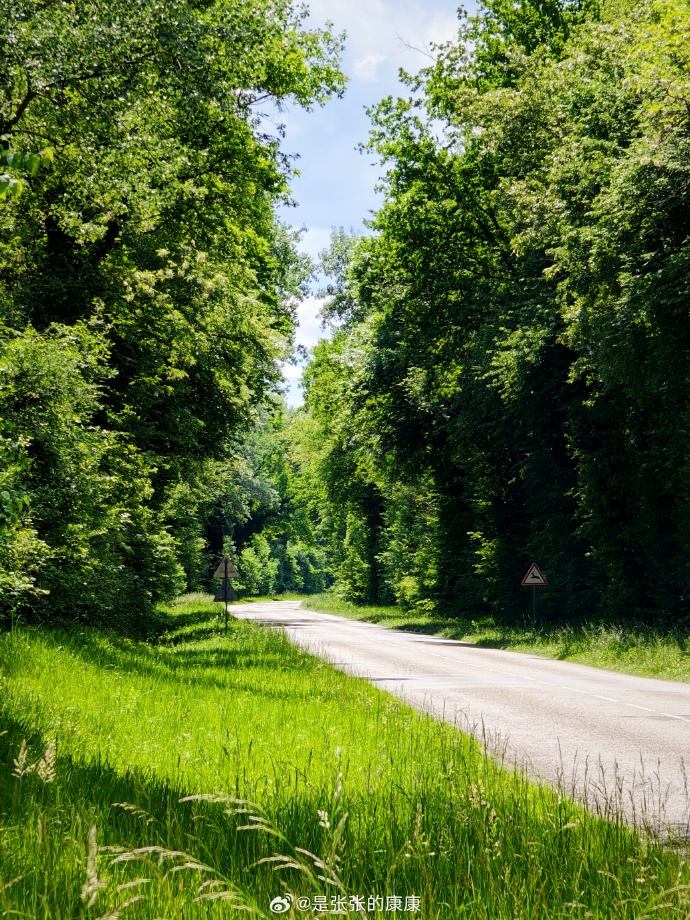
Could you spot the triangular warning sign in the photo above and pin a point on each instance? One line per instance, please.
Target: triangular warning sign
(534, 576)
(220, 594)
(221, 570)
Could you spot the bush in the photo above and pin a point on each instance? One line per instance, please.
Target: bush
(78, 537)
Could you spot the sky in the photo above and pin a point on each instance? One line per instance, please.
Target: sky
(336, 183)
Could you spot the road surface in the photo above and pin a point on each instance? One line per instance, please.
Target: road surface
(615, 738)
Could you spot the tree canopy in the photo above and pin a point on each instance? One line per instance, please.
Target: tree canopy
(147, 290)
(508, 375)
(509, 380)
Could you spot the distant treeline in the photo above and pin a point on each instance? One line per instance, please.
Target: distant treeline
(509, 377)
(146, 298)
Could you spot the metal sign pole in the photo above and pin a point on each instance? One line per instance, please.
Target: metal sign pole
(225, 591)
(535, 578)
(225, 571)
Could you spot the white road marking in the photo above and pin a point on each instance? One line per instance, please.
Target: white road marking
(547, 683)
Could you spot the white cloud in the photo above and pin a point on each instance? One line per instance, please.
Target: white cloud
(310, 330)
(315, 240)
(308, 334)
(292, 389)
(336, 186)
(292, 373)
(366, 68)
(385, 30)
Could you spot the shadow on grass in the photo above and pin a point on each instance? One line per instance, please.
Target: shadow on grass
(572, 636)
(216, 668)
(208, 630)
(498, 643)
(168, 620)
(428, 628)
(129, 809)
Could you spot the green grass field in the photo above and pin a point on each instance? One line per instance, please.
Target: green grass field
(356, 796)
(630, 648)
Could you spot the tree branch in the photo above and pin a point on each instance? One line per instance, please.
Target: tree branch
(22, 107)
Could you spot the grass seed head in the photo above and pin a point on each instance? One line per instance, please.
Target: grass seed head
(92, 885)
(45, 768)
(21, 762)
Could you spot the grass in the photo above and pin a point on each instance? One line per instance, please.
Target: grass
(633, 648)
(389, 802)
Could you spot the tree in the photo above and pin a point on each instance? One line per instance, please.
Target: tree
(153, 237)
(512, 373)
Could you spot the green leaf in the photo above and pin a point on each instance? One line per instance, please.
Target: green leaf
(16, 187)
(33, 163)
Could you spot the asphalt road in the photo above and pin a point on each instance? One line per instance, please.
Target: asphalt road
(616, 739)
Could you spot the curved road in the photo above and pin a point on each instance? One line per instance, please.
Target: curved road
(610, 737)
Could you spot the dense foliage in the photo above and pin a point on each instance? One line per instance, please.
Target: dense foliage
(509, 378)
(508, 375)
(146, 288)
(278, 537)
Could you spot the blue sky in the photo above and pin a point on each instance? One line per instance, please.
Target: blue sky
(336, 183)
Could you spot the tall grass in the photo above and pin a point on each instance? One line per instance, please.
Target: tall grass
(648, 650)
(387, 801)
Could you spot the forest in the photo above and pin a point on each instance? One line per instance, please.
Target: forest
(505, 376)
(147, 295)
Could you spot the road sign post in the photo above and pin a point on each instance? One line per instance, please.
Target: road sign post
(534, 578)
(226, 570)
(225, 591)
